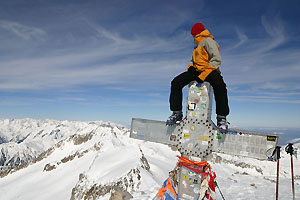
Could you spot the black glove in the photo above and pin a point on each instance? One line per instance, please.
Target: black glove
(192, 70)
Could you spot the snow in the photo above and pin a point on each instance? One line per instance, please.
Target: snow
(109, 156)
(296, 140)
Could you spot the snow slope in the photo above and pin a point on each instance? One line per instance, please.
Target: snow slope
(92, 159)
(24, 139)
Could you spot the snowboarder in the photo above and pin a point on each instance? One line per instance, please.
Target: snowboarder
(204, 66)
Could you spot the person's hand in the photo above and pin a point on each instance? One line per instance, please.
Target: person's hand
(192, 70)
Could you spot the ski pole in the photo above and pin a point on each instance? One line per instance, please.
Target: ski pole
(290, 150)
(216, 184)
(277, 152)
(292, 169)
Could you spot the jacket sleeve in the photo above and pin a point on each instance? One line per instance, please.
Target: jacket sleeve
(213, 50)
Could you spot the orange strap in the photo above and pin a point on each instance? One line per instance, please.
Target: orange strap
(189, 162)
(161, 192)
(169, 187)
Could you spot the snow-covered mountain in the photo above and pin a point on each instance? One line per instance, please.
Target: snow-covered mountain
(91, 160)
(25, 139)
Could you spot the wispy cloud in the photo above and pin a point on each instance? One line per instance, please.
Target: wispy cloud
(22, 31)
(242, 39)
(93, 52)
(275, 29)
(119, 61)
(251, 60)
(264, 99)
(114, 36)
(257, 65)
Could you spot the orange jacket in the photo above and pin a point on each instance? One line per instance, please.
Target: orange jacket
(206, 54)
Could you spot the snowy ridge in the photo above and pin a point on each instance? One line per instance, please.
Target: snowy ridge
(94, 159)
(89, 164)
(24, 139)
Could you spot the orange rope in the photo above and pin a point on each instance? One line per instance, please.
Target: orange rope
(187, 161)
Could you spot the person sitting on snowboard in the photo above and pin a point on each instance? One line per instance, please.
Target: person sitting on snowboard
(204, 66)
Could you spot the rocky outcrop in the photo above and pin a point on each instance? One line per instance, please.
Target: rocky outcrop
(119, 189)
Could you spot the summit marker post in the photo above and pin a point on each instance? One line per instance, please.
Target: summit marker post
(196, 137)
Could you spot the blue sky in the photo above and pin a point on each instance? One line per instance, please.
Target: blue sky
(112, 60)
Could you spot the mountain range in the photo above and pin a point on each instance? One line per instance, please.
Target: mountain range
(50, 159)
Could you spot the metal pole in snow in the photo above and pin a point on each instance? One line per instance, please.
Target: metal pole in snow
(290, 150)
(292, 168)
(277, 151)
(277, 179)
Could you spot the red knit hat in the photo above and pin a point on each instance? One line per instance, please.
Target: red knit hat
(197, 28)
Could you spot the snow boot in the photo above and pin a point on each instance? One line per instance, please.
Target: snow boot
(222, 123)
(175, 118)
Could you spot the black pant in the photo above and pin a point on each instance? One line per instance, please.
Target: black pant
(216, 81)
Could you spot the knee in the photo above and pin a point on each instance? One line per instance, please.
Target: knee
(176, 83)
(219, 83)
